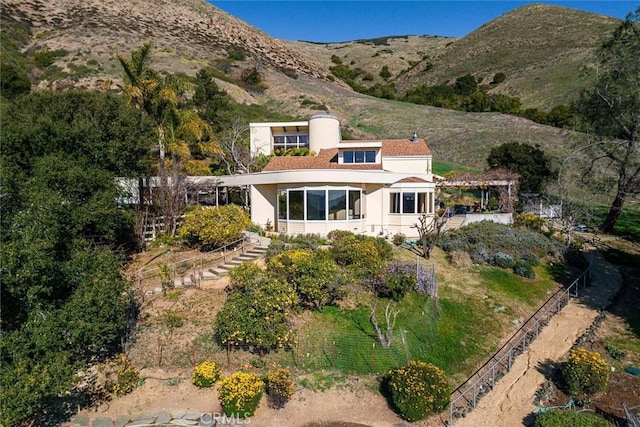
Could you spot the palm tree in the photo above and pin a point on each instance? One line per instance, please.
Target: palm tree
(178, 130)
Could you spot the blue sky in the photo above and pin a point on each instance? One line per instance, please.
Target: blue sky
(331, 20)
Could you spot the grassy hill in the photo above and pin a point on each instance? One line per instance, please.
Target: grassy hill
(539, 48)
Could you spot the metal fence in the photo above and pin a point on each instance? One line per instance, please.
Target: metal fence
(192, 268)
(466, 396)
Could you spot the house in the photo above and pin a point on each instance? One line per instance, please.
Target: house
(374, 187)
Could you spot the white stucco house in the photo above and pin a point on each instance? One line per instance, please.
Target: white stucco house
(374, 187)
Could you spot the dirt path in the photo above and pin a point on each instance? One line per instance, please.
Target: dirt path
(511, 401)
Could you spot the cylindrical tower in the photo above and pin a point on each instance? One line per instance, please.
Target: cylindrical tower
(324, 132)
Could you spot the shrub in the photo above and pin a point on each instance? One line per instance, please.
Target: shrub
(257, 317)
(482, 240)
(315, 276)
(562, 418)
(498, 78)
(279, 387)
(396, 280)
(237, 55)
(212, 227)
(460, 259)
(528, 220)
(399, 239)
(240, 394)
(364, 255)
(502, 260)
(523, 269)
(206, 374)
(530, 258)
(120, 377)
(418, 390)
(585, 373)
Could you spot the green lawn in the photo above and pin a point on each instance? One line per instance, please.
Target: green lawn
(344, 339)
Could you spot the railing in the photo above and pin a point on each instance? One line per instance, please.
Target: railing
(466, 396)
(196, 265)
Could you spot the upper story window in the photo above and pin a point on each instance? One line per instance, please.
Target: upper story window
(285, 142)
(359, 156)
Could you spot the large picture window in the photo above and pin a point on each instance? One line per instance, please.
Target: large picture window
(296, 204)
(410, 202)
(337, 205)
(314, 204)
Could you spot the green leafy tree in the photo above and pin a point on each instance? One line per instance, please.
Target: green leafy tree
(527, 160)
(212, 103)
(63, 233)
(610, 110)
(213, 226)
(257, 317)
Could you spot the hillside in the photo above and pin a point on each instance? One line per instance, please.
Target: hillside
(540, 48)
(187, 35)
(532, 45)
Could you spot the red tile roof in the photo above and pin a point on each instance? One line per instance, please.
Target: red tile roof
(328, 158)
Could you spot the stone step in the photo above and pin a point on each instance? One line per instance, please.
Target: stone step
(218, 271)
(208, 275)
(259, 250)
(245, 258)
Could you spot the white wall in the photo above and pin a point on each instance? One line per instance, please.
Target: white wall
(261, 140)
(419, 165)
(264, 201)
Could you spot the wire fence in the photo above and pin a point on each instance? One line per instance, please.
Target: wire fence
(467, 395)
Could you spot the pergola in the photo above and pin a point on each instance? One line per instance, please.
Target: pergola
(504, 181)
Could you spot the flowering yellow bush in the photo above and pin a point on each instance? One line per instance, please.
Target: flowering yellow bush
(120, 376)
(205, 374)
(418, 389)
(280, 387)
(585, 373)
(240, 394)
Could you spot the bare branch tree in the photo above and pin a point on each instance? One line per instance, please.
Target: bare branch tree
(390, 316)
(430, 229)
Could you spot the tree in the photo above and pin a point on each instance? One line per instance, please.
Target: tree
(528, 161)
(313, 274)
(13, 81)
(179, 131)
(211, 102)
(256, 313)
(430, 230)
(62, 239)
(610, 110)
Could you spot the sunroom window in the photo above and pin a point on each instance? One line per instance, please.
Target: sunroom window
(320, 204)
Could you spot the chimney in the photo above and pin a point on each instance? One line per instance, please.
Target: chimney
(414, 138)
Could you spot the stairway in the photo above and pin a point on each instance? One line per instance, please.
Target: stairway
(216, 272)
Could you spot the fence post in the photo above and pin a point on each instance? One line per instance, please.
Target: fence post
(373, 349)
